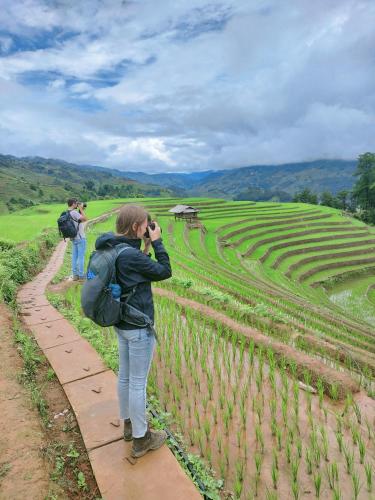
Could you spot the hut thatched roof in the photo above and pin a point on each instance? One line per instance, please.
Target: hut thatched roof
(183, 209)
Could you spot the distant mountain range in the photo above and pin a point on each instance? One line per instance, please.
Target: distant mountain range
(287, 179)
(31, 180)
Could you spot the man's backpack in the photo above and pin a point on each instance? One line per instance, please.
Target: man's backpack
(97, 300)
(67, 227)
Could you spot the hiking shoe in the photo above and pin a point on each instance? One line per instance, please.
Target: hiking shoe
(128, 432)
(152, 440)
(75, 278)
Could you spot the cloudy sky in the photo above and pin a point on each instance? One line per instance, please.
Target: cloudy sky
(187, 85)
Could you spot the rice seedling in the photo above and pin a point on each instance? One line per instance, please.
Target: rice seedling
(208, 454)
(273, 426)
(356, 484)
(337, 495)
(355, 433)
(259, 410)
(325, 443)
(332, 474)
(226, 421)
(274, 473)
(320, 388)
(259, 437)
(284, 411)
(309, 461)
(273, 406)
(243, 414)
(206, 429)
(294, 468)
(349, 459)
(222, 467)
(369, 428)
(339, 438)
(239, 437)
(316, 454)
(361, 449)
(240, 467)
(258, 467)
(334, 391)
(270, 495)
(197, 417)
(250, 351)
(259, 381)
(295, 490)
(219, 443)
(205, 400)
(317, 484)
(237, 489)
(222, 398)
(339, 423)
(200, 437)
(299, 447)
(308, 401)
(230, 408)
(279, 439)
(368, 472)
(226, 454)
(288, 450)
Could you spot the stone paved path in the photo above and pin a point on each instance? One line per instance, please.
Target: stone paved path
(91, 390)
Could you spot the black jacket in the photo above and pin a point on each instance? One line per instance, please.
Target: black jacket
(133, 267)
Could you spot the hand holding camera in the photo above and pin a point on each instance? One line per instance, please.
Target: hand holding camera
(153, 231)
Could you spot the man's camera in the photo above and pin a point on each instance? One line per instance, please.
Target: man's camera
(82, 204)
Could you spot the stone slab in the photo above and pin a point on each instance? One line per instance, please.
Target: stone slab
(41, 315)
(155, 476)
(54, 333)
(95, 404)
(74, 361)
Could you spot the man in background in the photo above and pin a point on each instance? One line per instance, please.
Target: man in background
(78, 215)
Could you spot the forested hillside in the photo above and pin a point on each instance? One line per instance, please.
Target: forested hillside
(28, 181)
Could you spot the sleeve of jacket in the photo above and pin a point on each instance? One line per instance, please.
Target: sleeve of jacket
(152, 270)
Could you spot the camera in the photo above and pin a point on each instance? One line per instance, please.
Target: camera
(152, 226)
(82, 204)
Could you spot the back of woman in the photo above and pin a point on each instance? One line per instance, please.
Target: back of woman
(135, 270)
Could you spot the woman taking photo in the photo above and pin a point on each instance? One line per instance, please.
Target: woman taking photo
(135, 270)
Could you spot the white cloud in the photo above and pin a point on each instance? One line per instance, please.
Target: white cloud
(188, 85)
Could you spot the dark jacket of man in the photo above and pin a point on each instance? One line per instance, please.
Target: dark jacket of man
(133, 268)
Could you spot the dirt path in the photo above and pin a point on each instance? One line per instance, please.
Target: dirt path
(23, 473)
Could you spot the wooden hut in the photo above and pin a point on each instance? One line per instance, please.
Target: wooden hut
(184, 212)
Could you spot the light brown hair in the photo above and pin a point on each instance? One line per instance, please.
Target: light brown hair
(129, 215)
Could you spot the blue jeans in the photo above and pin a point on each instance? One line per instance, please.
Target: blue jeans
(135, 348)
(78, 257)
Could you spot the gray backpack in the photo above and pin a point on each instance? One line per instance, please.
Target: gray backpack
(97, 300)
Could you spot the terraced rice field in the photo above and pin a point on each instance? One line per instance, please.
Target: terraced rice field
(266, 377)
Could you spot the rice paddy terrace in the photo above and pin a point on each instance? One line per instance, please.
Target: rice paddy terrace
(267, 374)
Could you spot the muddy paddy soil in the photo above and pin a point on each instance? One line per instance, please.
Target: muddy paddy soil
(231, 443)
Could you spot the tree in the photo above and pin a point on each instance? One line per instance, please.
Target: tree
(342, 199)
(327, 199)
(364, 189)
(306, 196)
